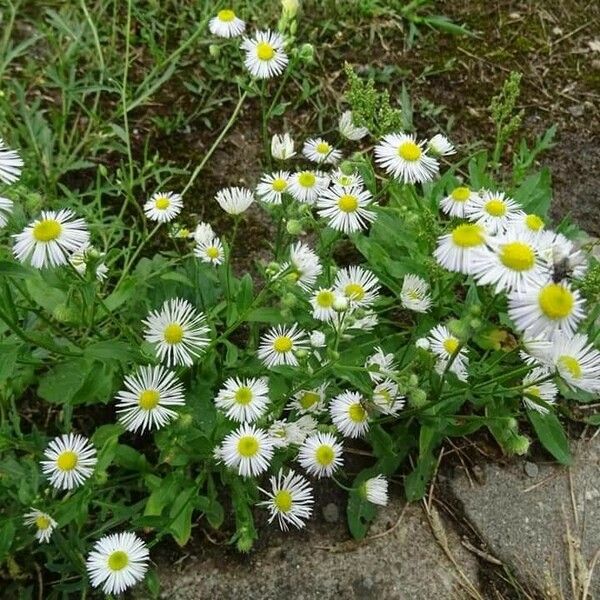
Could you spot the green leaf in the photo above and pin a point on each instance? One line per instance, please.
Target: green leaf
(359, 511)
(9, 268)
(61, 384)
(107, 350)
(181, 513)
(551, 434)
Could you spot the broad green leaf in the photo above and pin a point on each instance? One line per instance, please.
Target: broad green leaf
(61, 384)
(551, 434)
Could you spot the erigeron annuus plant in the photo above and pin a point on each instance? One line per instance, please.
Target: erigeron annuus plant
(405, 300)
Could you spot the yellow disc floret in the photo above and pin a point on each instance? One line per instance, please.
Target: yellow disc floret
(162, 203)
(248, 446)
(308, 399)
(495, 207)
(556, 301)
(325, 298)
(348, 203)
(42, 522)
(173, 333)
(307, 179)
(354, 291)
(226, 15)
(149, 399)
(283, 501)
(409, 151)
(461, 194)
(357, 413)
(517, 256)
(468, 235)
(264, 51)
(47, 230)
(534, 222)
(279, 184)
(67, 460)
(118, 560)
(450, 345)
(282, 344)
(572, 365)
(243, 395)
(324, 455)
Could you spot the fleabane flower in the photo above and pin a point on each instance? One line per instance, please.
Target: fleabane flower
(178, 332)
(577, 362)
(405, 159)
(6, 208)
(43, 522)
(244, 400)
(11, 164)
(285, 433)
(265, 56)
(310, 401)
(85, 256)
(70, 460)
(234, 200)
(279, 345)
(323, 301)
(546, 309)
(320, 151)
(306, 186)
(210, 251)
(226, 24)
(386, 398)
(348, 129)
(440, 145)
(456, 250)
(494, 211)
(359, 285)
(203, 232)
(375, 490)
(455, 204)
(445, 345)
(345, 180)
(305, 264)
(117, 562)
(272, 186)
(321, 454)
(534, 385)
(163, 206)
(149, 393)
(415, 294)
(282, 146)
(562, 256)
(346, 209)
(290, 499)
(349, 415)
(247, 449)
(51, 240)
(380, 365)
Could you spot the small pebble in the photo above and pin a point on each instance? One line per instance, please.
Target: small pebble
(331, 513)
(577, 110)
(531, 469)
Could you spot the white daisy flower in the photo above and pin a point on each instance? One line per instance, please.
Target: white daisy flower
(349, 415)
(322, 302)
(272, 186)
(494, 211)
(234, 200)
(286, 433)
(358, 285)
(210, 251)
(321, 454)
(455, 204)
(531, 222)
(278, 345)
(347, 209)
(365, 323)
(290, 499)
(319, 151)
(375, 490)
(306, 265)
(86, 254)
(43, 522)
(354, 180)
(456, 250)
(415, 294)
(443, 344)
(386, 399)
(265, 56)
(244, 400)
(546, 309)
(562, 256)
(248, 449)
(318, 339)
(310, 401)
(226, 24)
(307, 186)
(163, 206)
(70, 460)
(440, 145)
(51, 239)
(282, 146)
(380, 365)
(543, 390)
(348, 129)
(423, 343)
(117, 562)
(177, 331)
(577, 362)
(6, 208)
(11, 164)
(203, 232)
(512, 263)
(405, 159)
(148, 394)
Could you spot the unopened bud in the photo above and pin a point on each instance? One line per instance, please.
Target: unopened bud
(294, 227)
(214, 50)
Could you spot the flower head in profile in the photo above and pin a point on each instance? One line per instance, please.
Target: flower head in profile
(226, 24)
(380, 365)
(163, 206)
(309, 401)
(210, 251)
(149, 393)
(69, 461)
(234, 200)
(279, 345)
(285, 433)
(282, 146)
(349, 415)
(87, 256)
(375, 490)
(6, 208)
(319, 151)
(440, 145)
(203, 232)
(321, 454)
(348, 129)
(347, 209)
(415, 294)
(248, 449)
(272, 186)
(386, 398)
(347, 180)
(537, 387)
(456, 250)
(447, 347)
(289, 500)
(357, 284)
(455, 204)
(306, 186)
(117, 562)
(178, 332)
(306, 265)
(43, 522)
(494, 211)
(265, 56)
(51, 240)
(577, 362)
(11, 164)
(244, 400)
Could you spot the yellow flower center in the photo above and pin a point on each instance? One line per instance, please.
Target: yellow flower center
(162, 203)
(42, 522)
(47, 230)
(118, 560)
(212, 252)
(409, 151)
(282, 344)
(517, 256)
(307, 179)
(324, 455)
(534, 222)
(357, 413)
(325, 298)
(450, 345)
(283, 501)
(354, 291)
(66, 460)
(264, 51)
(495, 207)
(572, 365)
(348, 203)
(149, 399)
(243, 395)
(308, 399)
(279, 184)
(226, 15)
(468, 235)
(556, 301)
(248, 446)
(173, 333)
(322, 148)
(461, 194)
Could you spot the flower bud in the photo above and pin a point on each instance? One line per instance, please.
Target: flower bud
(347, 168)
(423, 343)
(214, 50)
(340, 304)
(417, 398)
(294, 227)
(289, 301)
(317, 339)
(517, 444)
(307, 53)
(290, 8)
